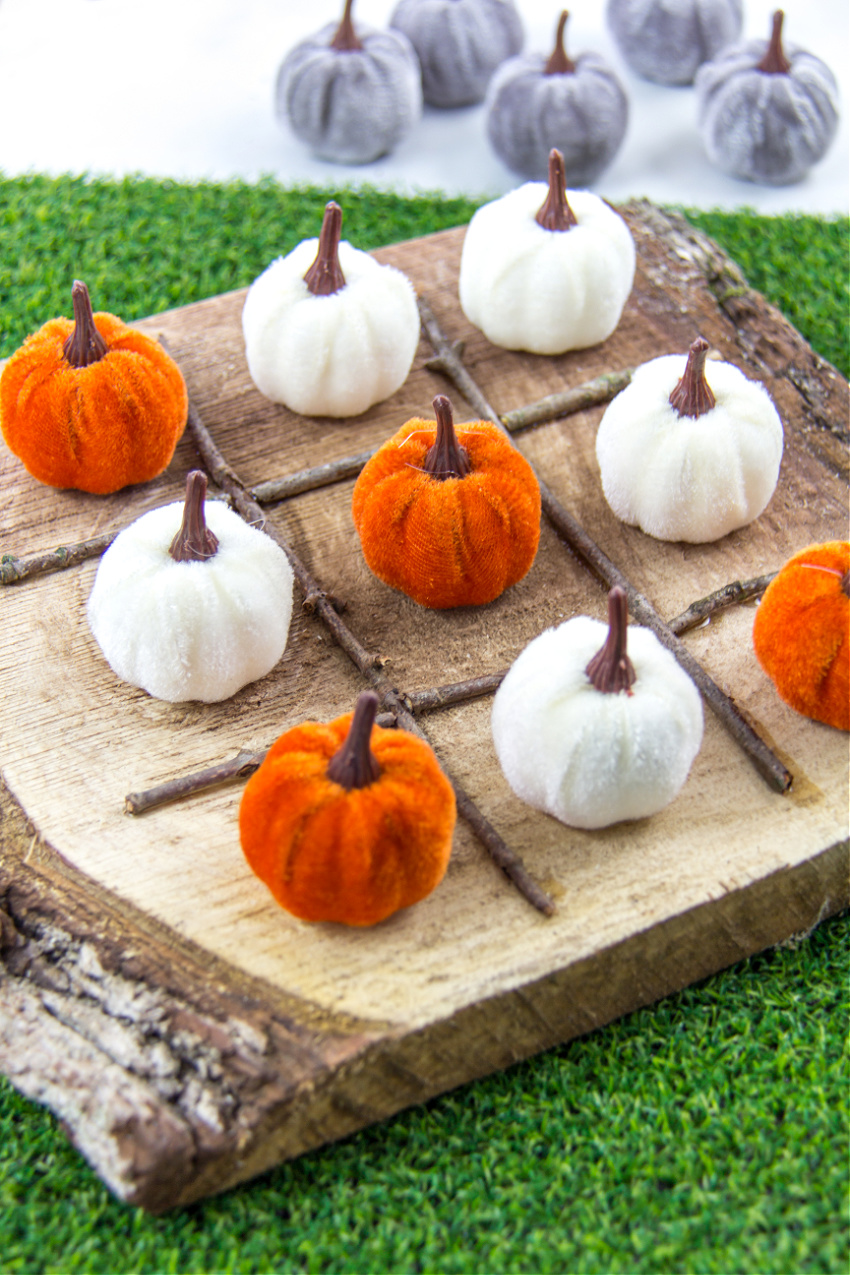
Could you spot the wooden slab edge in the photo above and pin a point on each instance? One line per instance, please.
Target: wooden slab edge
(176, 1079)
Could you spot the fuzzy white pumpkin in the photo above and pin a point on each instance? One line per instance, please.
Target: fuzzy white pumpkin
(332, 337)
(529, 287)
(594, 757)
(688, 451)
(200, 628)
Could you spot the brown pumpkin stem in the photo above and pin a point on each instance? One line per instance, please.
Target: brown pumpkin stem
(85, 345)
(559, 63)
(354, 765)
(194, 541)
(345, 40)
(774, 61)
(325, 275)
(555, 213)
(845, 583)
(446, 458)
(611, 670)
(692, 394)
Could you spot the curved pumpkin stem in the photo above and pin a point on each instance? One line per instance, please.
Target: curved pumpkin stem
(325, 275)
(559, 63)
(555, 213)
(774, 61)
(345, 40)
(354, 765)
(692, 396)
(446, 458)
(194, 541)
(611, 670)
(85, 345)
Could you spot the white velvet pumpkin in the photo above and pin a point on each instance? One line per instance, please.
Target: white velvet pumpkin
(587, 756)
(335, 354)
(191, 630)
(459, 44)
(684, 476)
(352, 97)
(769, 126)
(668, 40)
(578, 106)
(546, 291)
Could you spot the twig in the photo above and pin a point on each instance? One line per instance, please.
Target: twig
(736, 591)
(335, 471)
(238, 767)
(245, 762)
(366, 663)
(600, 390)
(567, 402)
(13, 569)
(768, 765)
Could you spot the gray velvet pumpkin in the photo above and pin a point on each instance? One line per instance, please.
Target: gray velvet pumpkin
(459, 44)
(668, 40)
(578, 107)
(765, 113)
(350, 96)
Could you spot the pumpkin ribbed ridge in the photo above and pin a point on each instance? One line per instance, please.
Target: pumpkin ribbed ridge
(95, 428)
(801, 633)
(328, 854)
(452, 542)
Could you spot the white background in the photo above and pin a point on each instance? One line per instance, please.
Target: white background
(184, 89)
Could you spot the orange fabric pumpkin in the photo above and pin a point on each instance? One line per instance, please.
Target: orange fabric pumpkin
(801, 632)
(451, 518)
(90, 403)
(345, 821)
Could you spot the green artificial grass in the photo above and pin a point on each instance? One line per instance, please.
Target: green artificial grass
(708, 1133)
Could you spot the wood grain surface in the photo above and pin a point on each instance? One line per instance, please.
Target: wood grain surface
(190, 1032)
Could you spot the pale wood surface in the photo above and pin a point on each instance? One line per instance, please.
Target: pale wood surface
(727, 852)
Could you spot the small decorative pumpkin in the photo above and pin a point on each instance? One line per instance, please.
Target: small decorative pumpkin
(668, 42)
(91, 403)
(595, 734)
(449, 517)
(545, 269)
(801, 632)
(684, 459)
(578, 106)
(350, 96)
(766, 114)
(459, 44)
(332, 337)
(191, 604)
(345, 821)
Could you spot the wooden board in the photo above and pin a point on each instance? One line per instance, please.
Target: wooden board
(188, 1031)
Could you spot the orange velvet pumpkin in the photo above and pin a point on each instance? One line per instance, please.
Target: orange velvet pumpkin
(801, 632)
(451, 518)
(346, 821)
(90, 403)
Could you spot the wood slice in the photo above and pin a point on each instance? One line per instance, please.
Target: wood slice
(189, 1032)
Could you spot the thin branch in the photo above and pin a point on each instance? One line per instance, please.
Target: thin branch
(737, 591)
(765, 761)
(335, 471)
(566, 403)
(368, 664)
(591, 394)
(13, 569)
(238, 767)
(245, 762)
